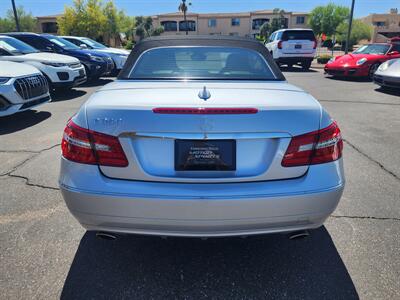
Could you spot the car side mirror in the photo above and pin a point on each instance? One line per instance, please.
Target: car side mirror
(49, 49)
(394, 53)
(83, 46)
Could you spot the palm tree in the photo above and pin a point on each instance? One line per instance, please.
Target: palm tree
(184, 8)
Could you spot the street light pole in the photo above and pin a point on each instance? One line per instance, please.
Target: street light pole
(15, 15)
(350, 25)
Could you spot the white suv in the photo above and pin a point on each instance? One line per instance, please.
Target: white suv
(22, 87)
(62, 71)
(293, 46)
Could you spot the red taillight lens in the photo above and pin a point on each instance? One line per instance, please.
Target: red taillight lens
(280, 45)
(316, 147)
(89, 147)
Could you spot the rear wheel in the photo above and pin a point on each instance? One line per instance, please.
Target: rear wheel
(372, 70)
(306, 65)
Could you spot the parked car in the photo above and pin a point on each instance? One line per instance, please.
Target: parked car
(61, 71)
(96, 64)
(388, 74)
(119, 56)
(203, 137)
(293, 46)
(364, 61)
(22, 87)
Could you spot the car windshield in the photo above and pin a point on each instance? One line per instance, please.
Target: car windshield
(221, 63)
(63, 43)
(16, 47)
(93, 44)
(372, 49)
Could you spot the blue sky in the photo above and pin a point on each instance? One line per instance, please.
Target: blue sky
(149, 7)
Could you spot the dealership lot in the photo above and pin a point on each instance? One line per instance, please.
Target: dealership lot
(46, 254)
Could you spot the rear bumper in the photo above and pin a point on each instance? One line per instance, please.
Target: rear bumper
(179, 209)
(294, 60)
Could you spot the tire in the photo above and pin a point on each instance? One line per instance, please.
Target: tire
(372, 70)
(306, 65)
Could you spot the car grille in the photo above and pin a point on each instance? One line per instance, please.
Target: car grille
(75, 65)
(31, 87)
(335, 72)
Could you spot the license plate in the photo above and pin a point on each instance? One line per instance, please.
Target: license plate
(205, 155)
(297, 46)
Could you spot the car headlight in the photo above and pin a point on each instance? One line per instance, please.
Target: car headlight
(4, 80)
(386, 65)
(57, 65)
(361, 61)
(96, 58)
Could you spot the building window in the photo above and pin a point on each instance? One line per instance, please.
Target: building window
(380, 24)
(190, 25)
(300, 20)
(49, 27)
(169, 25)
(257, 23)
(235, 22)
(212, 23)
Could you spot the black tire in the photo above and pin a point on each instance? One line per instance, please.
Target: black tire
(306, 65)
(372, 70)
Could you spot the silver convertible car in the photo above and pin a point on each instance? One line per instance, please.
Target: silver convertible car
(201, 137)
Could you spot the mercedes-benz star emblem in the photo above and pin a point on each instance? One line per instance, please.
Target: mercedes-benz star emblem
(204, 94)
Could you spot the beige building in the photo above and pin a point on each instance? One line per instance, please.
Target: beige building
(241, 24)
(385, 26)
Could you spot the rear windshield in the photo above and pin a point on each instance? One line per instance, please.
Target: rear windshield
(298, 35)
(221, 63)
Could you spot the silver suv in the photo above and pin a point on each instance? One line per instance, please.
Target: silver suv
(22, 87)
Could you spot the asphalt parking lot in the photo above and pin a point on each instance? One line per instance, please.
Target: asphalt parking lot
(45, 254)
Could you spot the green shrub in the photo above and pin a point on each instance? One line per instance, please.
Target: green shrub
(129, 45)
(323, 59)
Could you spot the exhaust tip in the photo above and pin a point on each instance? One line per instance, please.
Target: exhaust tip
(106, 236)
(298, 234)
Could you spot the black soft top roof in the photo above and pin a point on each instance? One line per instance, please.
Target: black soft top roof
(198, 40)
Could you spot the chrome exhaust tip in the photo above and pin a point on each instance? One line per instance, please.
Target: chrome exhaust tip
(298, 234)
(106, 236)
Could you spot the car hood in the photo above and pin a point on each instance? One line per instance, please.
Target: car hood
(392, 71)
(46, 57)
(86, 53)
(351, 59)
(13, 69)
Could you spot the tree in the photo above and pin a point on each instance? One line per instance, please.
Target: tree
(326, 19)
(95, 19)
(26, 20)
(360, 31)
(278, 21)
(144, 28)
(265, 31)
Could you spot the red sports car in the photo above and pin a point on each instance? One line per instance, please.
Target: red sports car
(364, 61)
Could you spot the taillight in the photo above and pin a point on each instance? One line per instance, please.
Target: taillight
(280, 45)
(89, 147)
(316, 147)
(315, 44)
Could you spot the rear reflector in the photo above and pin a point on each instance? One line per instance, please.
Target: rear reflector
(89, 147)
(316, 147)
(204, 111)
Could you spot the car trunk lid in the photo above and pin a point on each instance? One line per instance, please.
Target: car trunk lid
(149, 139)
